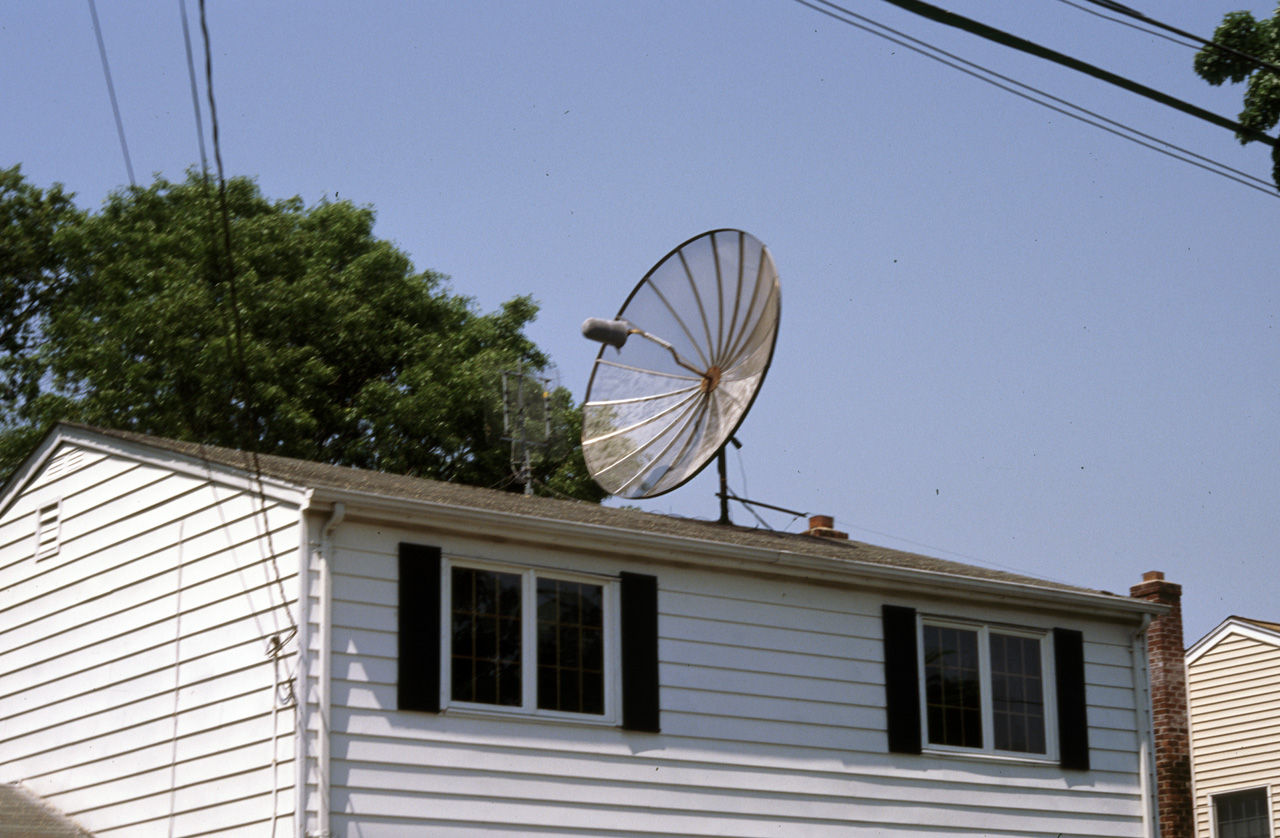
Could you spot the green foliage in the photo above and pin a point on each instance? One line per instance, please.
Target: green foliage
(1243, 33)
(32, 274)
(317, 341)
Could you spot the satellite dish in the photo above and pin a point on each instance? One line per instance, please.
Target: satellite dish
(690, 348)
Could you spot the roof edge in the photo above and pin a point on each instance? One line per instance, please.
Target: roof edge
(1253, 629)
(714, 553)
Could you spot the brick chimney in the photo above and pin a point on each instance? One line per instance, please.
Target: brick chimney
(1167, 659)
(823, 526)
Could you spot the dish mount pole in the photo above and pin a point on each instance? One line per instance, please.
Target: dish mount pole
(724, 487)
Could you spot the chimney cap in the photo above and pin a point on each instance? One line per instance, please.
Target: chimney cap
(1153, 576)
(823, 526)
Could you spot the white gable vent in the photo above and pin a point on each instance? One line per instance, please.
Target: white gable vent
(64, 463)
(48, 530)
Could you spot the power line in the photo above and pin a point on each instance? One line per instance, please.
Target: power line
(195, 93)
(1137, 15)
(1089, 117)
(229, 268)
(1142, 29)
(111, 91)
(1023, 45)
(242, 369)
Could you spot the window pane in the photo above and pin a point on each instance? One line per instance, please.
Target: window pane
(485, 654)
(570, 646)
(952, 691)
(1241, 814)
(1017, 694)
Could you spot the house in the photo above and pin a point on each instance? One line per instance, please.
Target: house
(200, 641)
(1233, 688)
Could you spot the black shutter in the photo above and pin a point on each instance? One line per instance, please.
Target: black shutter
(639, 620)
(418, 678)
(901, 679)
(1073, 718)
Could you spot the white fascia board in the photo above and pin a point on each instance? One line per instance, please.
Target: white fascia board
(23, 474)
(277, 490)
(1228, 627)
(483, 523)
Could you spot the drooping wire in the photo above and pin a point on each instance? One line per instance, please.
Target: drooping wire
(111, 92)
(1004, 83)
(242, 370)
(965, 556)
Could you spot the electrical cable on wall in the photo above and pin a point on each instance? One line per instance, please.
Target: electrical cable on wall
(283, 691)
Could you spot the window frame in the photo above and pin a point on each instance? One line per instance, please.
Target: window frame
(528, 707)
(1268, 807)
(984, 630)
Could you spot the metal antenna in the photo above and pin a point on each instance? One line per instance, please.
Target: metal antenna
(518, 426)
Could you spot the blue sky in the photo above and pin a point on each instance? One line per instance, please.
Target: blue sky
(1007, 337)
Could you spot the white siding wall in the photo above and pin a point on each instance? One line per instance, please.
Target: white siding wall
(1234, 691)
(772, 715)
(136, 694)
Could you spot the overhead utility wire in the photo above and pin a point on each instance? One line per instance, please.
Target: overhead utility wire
(1134, 26)
(1137, 15)
(1023, 45)
(195, 92)
(954, 62)
(111, 91)
(243, 369)
(229, 264)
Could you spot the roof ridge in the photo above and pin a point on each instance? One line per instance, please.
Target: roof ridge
(315, 475)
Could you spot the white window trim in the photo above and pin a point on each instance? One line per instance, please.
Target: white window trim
(1213, 807)
(529, 574)
(988, 749)
(49, 513)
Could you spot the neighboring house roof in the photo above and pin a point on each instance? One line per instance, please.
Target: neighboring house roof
(321, 476)
(24, 815)
(1261, 630)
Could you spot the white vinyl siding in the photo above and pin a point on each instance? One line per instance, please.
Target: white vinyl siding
(1234, 697)
(773, 723)
(135, 688)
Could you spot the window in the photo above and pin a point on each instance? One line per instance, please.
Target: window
(984, 688)
(527, 640)
(530, 641)
(963, 687)
(1241, 814)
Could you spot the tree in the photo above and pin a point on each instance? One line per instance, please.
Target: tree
(33, 275)
(314, 340)
(1244, 36)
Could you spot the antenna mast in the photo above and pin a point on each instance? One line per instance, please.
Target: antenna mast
(523, 395)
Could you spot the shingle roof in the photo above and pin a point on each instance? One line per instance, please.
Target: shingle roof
(24, 815)
(307, 474)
